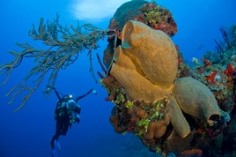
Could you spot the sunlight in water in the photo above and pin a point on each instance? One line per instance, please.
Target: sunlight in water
(95, 10)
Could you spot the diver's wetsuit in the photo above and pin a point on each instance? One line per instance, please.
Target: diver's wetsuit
(67, 113)
(62, 124)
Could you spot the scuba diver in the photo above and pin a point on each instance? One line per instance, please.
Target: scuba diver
(67, 113)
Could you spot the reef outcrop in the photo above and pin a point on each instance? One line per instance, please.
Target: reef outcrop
(157, 105)
(148, 13)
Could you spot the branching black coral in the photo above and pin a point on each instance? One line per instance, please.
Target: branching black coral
(62, 48)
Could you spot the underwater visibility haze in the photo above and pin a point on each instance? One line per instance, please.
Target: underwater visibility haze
(162, 76)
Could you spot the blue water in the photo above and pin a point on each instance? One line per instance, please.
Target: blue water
(27, 133)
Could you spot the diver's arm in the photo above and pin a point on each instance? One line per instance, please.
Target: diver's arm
(57, 94)
(84, 95)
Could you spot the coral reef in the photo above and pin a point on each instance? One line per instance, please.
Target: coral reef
(167, 107)
(217, 71)
(149, 13)
(170, 106)
(140, 10)
(158, 18)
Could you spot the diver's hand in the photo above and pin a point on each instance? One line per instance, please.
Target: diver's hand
(94, 92)
(49, 89)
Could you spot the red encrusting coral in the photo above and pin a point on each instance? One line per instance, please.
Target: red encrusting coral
(211, 78)
(229, 70)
